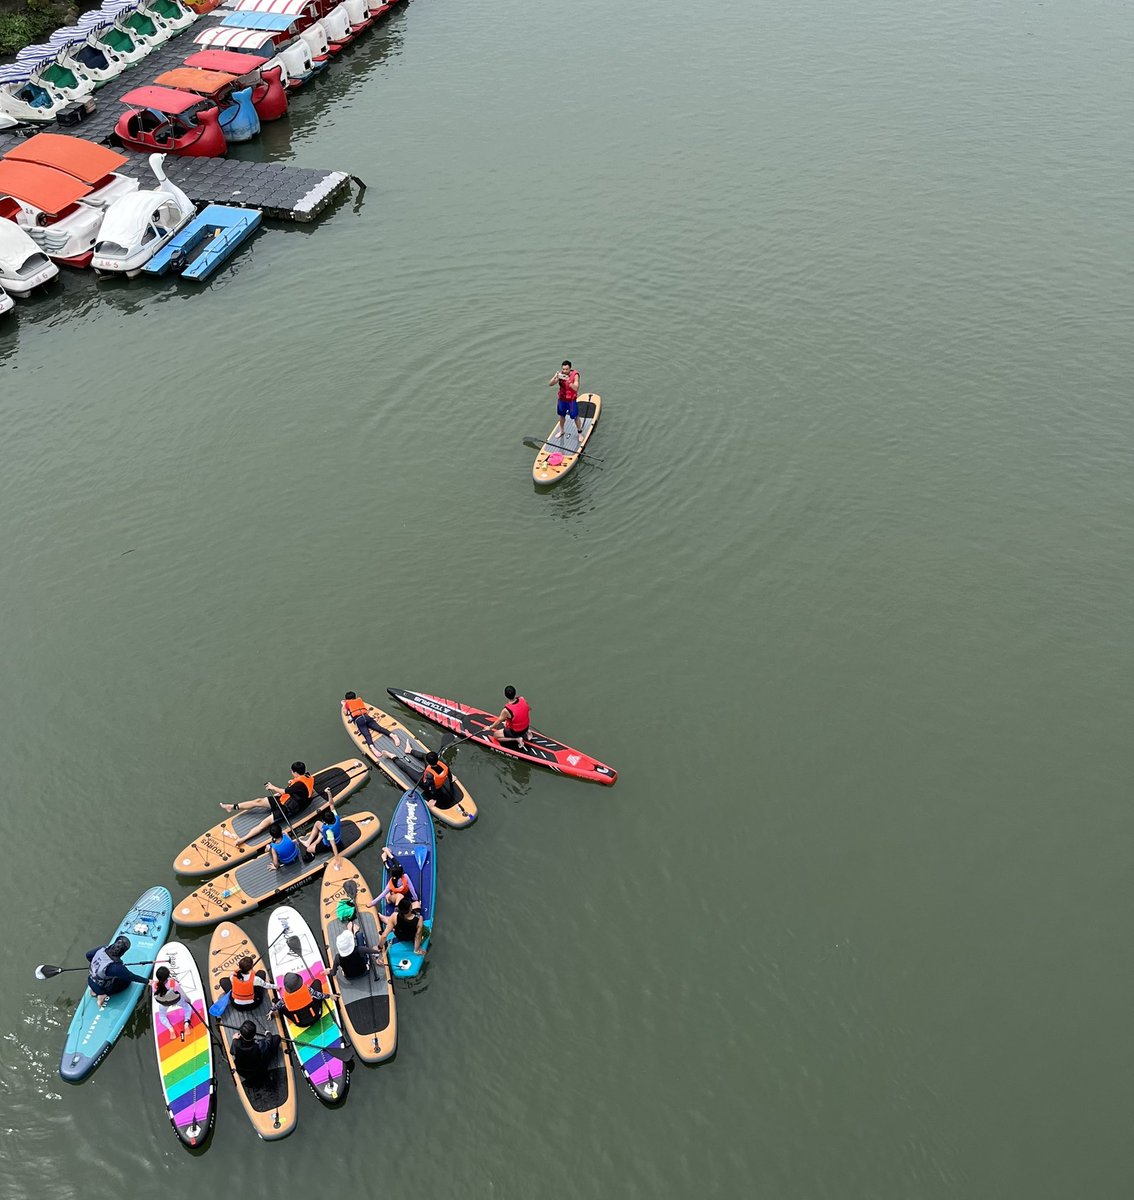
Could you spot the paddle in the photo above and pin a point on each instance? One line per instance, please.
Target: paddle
(47, 971)
(540, 443)
(344, 1056)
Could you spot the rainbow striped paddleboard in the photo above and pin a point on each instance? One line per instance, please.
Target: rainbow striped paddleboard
(292, 947)
(184, 1051)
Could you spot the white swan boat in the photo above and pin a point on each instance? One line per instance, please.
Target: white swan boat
(23, 265)
(139, 225)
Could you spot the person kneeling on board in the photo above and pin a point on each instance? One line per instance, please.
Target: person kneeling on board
(243, 984)
(253, 1053)
(406, 924)
(171, 1011)
(327, 834)
(281, 803)
(515, 716)
(283, 849)
(398, 884)
(302, 1003)
(351, 958)
(108, 974)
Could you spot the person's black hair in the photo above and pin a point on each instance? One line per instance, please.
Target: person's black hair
(431, 757)
(275, 831)
(350, 696)
(161, 975)
(327, 815)
(396, 869)
(567, 363)
(245, 964)
(248, 1031)
(405, 905)
(509, 692)
(300, 768)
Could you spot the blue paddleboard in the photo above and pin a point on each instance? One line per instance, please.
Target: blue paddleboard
(412, 839)
(94, 1030)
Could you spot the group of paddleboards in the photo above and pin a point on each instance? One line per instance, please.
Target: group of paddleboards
(577, 415)
(269, 1015)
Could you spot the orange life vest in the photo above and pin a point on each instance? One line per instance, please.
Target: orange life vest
(299, 1000)
(354, 708)
(437, 776)
(243, 990)
(308, 782)
(402, 887)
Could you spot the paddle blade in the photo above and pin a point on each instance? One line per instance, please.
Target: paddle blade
(420, 854)
(220, 1005)
(47, 971)
(294, 945)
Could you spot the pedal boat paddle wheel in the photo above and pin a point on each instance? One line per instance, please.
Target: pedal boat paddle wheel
(171, 122)
(262, 75)
(238, 119)
(58, 189)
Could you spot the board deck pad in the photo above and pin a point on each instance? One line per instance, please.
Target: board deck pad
(559, 454)
(184, 1050)
(93, 1030)
(216, 848)
(270, 1104)
(368, 1005)
(404, 771)
(252, 884)
(293, 948)
(412, 840)
(466, 721)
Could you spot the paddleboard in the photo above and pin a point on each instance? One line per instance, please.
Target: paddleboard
(184, 1049)
(544, 751)
(405, 771)
(367, 1004)
(253, 884)
(270, 1103)
(292, 947)
(215, 849)
(93, 1030)
(412, 839)
(558, 455)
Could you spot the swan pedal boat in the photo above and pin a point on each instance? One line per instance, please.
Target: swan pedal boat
(171, 121)
(238, 119)
(58, 188)
(263, 75)
(268, 35)
(136, 227)
(23, 264)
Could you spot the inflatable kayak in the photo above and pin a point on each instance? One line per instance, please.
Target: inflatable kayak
(412, 840)
(270, 1102)
(406, 769)
(215, 849)
(466, 721)
(367, 1004)
(184, 1049)
(558, 455)
(93, 1030)
(253, 884)
(292, 947)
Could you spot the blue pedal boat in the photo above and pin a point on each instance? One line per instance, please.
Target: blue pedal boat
(206, 242)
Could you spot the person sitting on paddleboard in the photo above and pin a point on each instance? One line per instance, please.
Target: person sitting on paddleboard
(172, 1007)
(282, 804)
(568, 403)
(243, 984)
(406, 924)
(515, 716)
(437, 782)
(254, 1053)
(352, 958)
(282, 848)
(302, 1003)
(108, 973)
(327, 834)
(398, 883)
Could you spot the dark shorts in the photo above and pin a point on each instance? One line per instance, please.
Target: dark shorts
(289, 807)
(510, 735)
(564, 408)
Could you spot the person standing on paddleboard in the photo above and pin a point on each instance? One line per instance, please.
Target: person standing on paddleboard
(568, 404)
(515, 716)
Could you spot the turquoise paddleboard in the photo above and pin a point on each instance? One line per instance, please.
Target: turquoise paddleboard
(94, 1030)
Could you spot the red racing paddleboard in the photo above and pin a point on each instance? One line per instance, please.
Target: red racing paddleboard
(465, 721)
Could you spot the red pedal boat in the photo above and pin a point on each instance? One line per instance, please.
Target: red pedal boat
(268, 95)
(172, 122)
(540, 749)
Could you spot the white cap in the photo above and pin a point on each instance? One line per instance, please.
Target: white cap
(344, 943)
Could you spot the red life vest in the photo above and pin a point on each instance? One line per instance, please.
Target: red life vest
(519, 715)
(569, 387)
